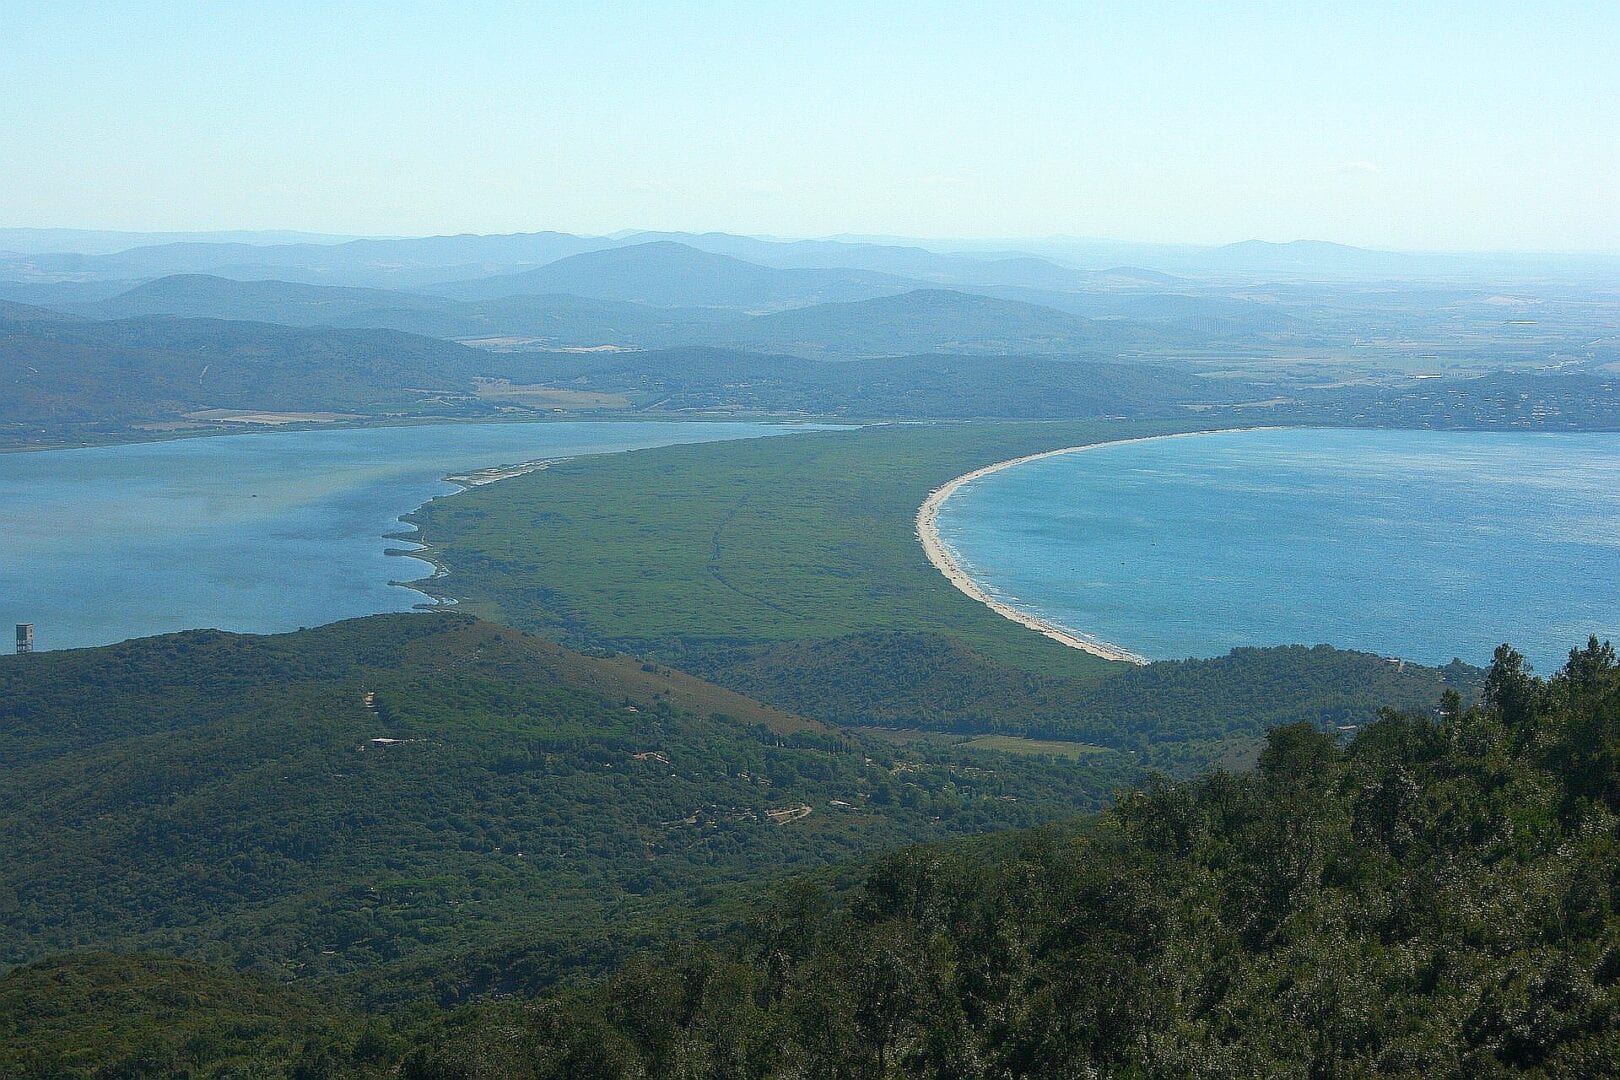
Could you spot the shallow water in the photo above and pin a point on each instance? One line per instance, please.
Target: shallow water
(1425, 545)
(257, 532)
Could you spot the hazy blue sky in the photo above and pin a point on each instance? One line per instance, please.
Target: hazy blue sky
(1433, 125)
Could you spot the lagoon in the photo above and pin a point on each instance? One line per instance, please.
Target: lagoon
(1419, 544)
(258, 532)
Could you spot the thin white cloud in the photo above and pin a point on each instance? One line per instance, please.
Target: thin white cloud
(1357, 167)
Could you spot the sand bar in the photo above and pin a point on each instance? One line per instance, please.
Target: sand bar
(480, 477)
(945, 563)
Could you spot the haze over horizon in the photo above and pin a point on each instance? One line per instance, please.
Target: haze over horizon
(272, 235)
(1447, 128)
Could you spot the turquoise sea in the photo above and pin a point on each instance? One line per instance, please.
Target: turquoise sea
(1419, 544)
(257, 532)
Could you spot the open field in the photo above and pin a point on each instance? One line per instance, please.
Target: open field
(272, 419)
(504, 390)
(1007, 744)
(1011, 744)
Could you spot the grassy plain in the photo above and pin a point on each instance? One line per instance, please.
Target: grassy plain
(787, 539)
(1012, 744)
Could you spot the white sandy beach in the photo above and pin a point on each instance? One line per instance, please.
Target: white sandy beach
(940, 555)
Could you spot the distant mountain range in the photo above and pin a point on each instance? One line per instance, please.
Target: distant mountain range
(555, 320)
(929, 320)
(584, 302)
(48, 255)
(108, 241)
(64, 377)
(94, 343)
(946, 386)
(668, 274)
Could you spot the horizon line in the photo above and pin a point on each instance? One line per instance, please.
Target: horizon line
(852, 238)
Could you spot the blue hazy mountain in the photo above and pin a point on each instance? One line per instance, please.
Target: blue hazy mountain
(904, 260)
(376, 262)
(109, 241)
(13, 312)
(670, 274)
(927, 320)
(916, 321)
(556, 320)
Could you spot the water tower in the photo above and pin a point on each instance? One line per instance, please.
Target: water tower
(25, 638)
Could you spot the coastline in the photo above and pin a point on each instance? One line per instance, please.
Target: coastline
(424, 552)
(943, 561)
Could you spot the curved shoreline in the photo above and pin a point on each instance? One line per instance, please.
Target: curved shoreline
(942, 559)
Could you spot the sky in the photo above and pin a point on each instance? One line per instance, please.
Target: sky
(1412, 125)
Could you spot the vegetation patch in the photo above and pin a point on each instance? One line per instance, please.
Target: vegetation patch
(1012, 744)
(789, 570)
(430, 806)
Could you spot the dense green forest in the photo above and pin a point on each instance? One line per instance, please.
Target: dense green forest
(415, 793)
(1436, 896)
(904, 680)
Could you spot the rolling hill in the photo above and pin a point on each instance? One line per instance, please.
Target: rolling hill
(1431, 897)
(368, 262)
(550, 321)
(940, 385)
(144, 369)
(928, 320)
(669, 274)
(1010, 319)
(903, 260)
(396, 789)
(15, 313)
(204, 296)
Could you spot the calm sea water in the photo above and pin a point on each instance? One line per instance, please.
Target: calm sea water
(1425, 545)
(258, 532)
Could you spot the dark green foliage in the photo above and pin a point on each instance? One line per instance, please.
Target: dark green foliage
(897, 679)
(100, 1016)
(529, 812)
(1437, 898)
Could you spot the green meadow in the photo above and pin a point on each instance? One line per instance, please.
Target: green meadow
(810, 537)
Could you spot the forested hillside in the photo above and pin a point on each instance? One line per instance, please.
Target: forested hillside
(926, 680)
(79, 378)
(402, 792)
(1435, 897)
